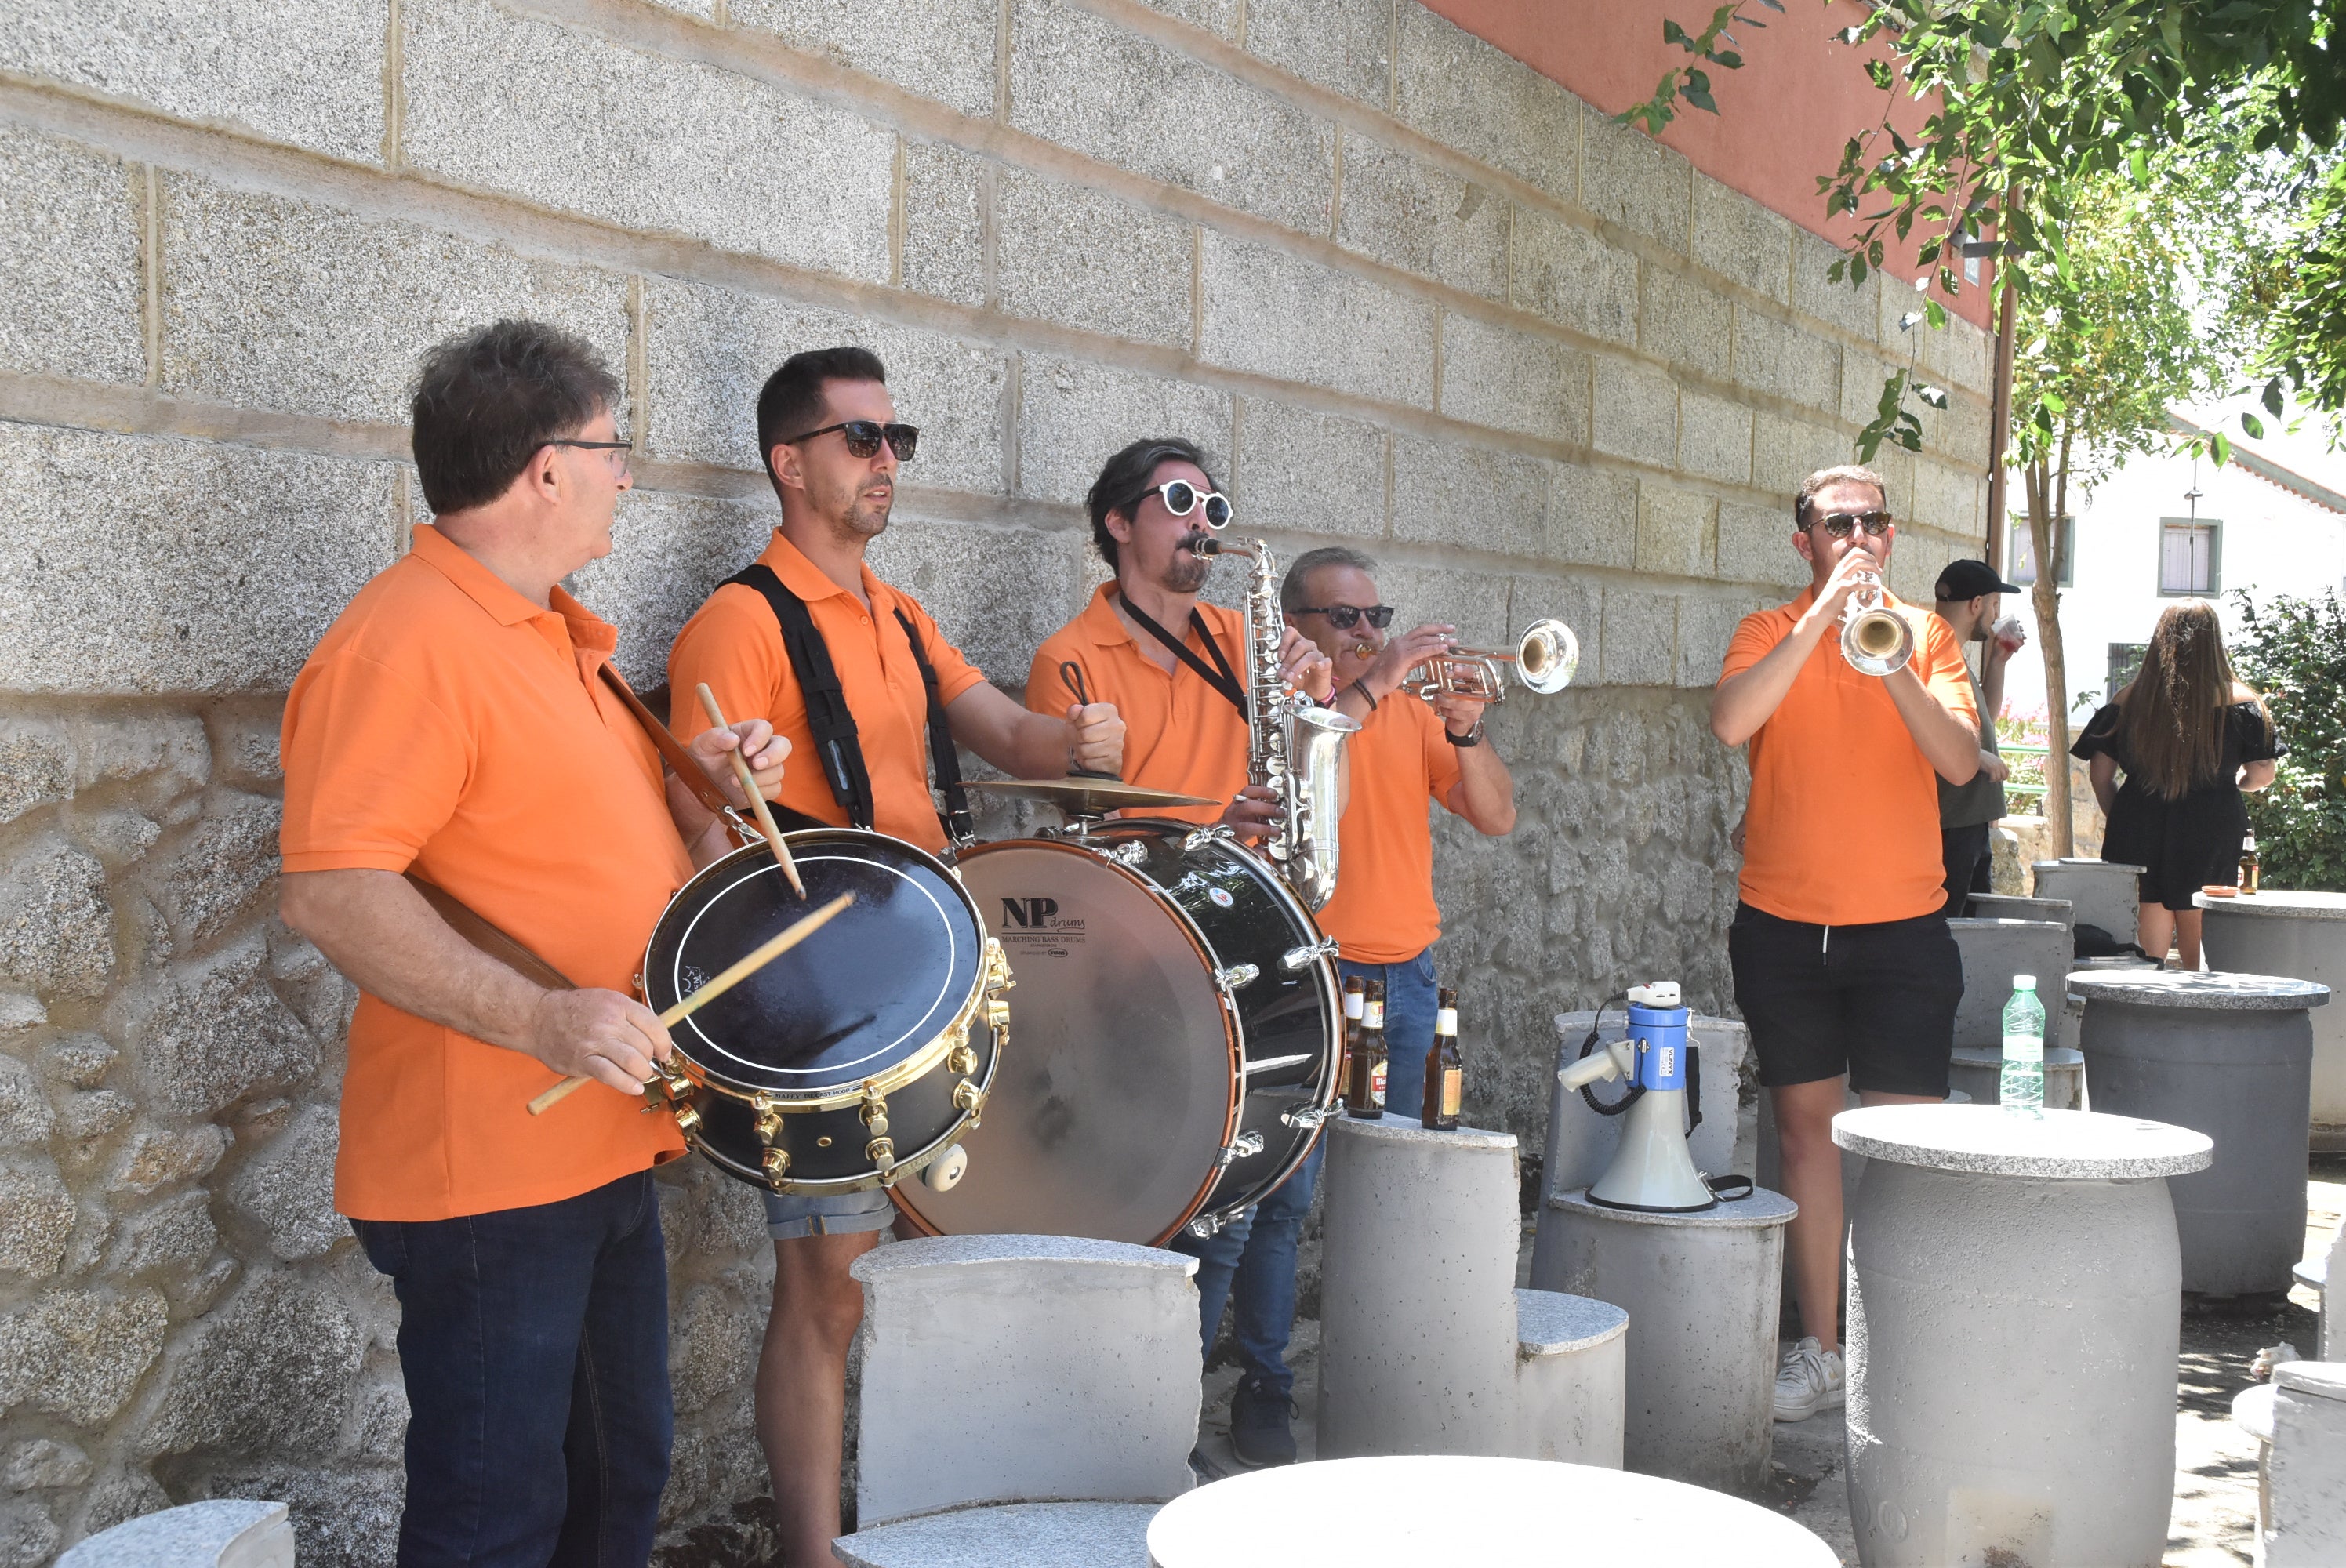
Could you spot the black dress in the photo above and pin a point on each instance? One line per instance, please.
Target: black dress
(2187, 844)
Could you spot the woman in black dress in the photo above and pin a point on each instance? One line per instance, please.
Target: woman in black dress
(2188, 738)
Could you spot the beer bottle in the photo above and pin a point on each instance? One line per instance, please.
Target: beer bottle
(1445, 1074)
(1355, 996)
(2249, 865)
(1364, 1089)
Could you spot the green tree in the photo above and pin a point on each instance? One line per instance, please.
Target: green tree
(2294, 651)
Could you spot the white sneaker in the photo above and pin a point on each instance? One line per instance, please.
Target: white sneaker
(1809, 1380)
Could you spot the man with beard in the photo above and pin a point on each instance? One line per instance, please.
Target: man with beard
(827, 429)
(1969, 594)
(1178, 671)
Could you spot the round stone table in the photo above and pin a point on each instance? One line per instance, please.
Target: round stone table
(2229, 1056)
(1416, 1509)
(2304, 936)
(2014, 1299)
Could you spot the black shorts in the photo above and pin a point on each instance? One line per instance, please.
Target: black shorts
(1876, 1001)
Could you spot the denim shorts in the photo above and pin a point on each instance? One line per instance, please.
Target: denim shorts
(844, 1214)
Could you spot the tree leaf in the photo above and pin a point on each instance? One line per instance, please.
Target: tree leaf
(2221, 448)
(2253, 425)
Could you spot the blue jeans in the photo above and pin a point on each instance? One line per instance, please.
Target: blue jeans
(534, 1342)
(1251, 1261)
(1408, 1025)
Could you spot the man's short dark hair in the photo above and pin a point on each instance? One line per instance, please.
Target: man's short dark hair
(1124, 480)
(486, 401)
(1841, 474)
(1294, 586)
(790, 402)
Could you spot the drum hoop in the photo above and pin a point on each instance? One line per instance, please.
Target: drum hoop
(912, 1068)
(1205, 950)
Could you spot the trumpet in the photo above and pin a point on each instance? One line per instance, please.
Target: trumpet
(1545, 661)
(1874, 639)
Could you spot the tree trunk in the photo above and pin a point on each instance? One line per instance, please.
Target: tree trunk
(2045, 534)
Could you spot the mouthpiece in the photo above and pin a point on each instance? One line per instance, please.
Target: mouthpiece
(1201, 543)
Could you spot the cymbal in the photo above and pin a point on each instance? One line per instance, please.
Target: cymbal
(1088, 797)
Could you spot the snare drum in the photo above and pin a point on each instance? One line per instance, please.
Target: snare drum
(1179, 1030)
(857, 1057)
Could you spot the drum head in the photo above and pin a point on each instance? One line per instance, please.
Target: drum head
(1117, 1091)
(881, 980)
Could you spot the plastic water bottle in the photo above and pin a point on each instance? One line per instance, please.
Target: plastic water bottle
(2022, 1090)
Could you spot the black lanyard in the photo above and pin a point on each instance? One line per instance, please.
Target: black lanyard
(1219, 677)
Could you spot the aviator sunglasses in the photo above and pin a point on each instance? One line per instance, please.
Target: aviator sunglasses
(1344, 617)
(1181, 498)
(1842, 525)
(863, 437)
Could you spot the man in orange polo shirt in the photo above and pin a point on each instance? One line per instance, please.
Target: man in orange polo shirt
(1177, 671)
(1406, 754)
(455, 723)
(1844, 969)
(856, 677)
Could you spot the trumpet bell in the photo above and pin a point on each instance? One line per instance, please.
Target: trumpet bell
(1548, 657)
(1877, 642)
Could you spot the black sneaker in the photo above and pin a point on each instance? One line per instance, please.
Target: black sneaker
(1258, 1431)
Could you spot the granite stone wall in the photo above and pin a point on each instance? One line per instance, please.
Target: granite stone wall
(1411, 295)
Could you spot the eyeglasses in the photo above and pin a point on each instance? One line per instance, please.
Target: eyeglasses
(1181, 498)
(1344, 617)
(619, 448)
(1842, 525)
(864, 436)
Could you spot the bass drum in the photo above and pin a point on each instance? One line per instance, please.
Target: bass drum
(857, 1057)
(1179, 1030)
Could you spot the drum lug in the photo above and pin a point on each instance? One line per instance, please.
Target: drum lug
(968, 1096)
(1205, 1227)
(687, 1118)
(1298, 959)
(1304, 1118)
(777, 1163)
(1248, 1145)
(1133, 854)
(875, 1117)
(765, 1117)
(997, 967)
(960, 1058)
(1237, 977)
(1212, 833)
(882, 1152)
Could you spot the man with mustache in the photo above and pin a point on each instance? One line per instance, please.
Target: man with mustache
(828, 432)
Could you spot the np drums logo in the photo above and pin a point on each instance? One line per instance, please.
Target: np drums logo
(1035, 925)
(1031, 914)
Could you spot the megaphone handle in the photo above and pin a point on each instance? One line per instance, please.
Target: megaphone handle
(1694, 1086)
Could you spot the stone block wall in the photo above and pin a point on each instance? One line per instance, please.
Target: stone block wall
(1409, 293)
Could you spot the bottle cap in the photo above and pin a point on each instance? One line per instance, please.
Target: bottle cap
(2024, 983)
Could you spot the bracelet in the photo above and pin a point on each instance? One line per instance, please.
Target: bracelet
(1366, 695)
(1471, 737)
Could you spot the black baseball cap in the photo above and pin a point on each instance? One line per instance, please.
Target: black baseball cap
(1969, 580)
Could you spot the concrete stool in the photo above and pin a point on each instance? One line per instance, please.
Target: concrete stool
(1572, 1364)
(2101, 892)
(1701, 1292)
(1014, 1369)
(2003, 906)
(2229, 1056)
(1977, 1073)
(1994, 950)
(1425, 1344)
(1029, 1534)
(1445, 1508)
(224, 1533)
(2014, 1292)
(2304, 936)
(2304, 1493)
(2333, 1302)
(1581, 1144)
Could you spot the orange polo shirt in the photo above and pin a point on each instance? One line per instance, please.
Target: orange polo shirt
(734, 642)
(448, 725)
(1179, 734)
(1383, 910)
(1843, 823)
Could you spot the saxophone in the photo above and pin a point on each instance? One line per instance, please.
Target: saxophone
(1294, 744)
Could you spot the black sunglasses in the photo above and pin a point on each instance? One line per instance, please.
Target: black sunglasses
(1344, 617)
(864, 436)
(1181, 498)
(1842, 525)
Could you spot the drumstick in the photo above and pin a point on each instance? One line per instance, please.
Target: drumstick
(715, 988)
(757, 801)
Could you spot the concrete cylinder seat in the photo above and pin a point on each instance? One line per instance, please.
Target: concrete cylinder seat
(1977, 1073)
(2009, 906)
(2304, 936)
(1016, 1369)
(2229, 1056)
(2014, 1290)
(1029, 1534)
(2103, 893)
(1445, 1508)
(1701, 1292)
(1425, 1344)
(227, 1532)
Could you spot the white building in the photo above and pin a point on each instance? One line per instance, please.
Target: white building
(2271, 521)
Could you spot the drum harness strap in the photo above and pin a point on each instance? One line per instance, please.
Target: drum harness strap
(834, 727)
(1219, 677)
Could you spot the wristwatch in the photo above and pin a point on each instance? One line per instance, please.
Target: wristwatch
(1471, 737)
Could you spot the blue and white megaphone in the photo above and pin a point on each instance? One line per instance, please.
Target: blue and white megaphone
(1652, 1173)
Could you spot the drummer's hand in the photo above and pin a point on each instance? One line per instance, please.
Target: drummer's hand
(600, 1035)
(1097, 741)
(1303, 667)
(755, 739)
(1255, 814)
